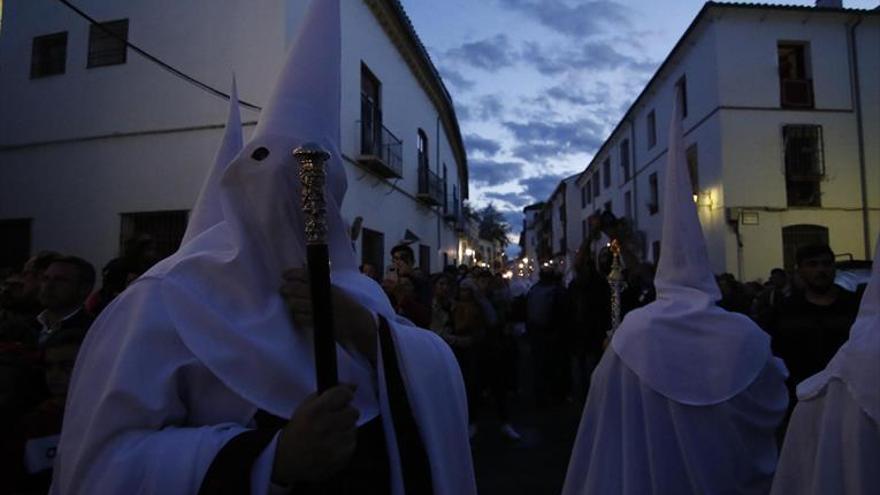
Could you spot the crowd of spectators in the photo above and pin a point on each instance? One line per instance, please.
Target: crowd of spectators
(490, 322)
(46, 309)
(472, 309)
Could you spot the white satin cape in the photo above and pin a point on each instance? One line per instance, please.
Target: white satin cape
(633, 440)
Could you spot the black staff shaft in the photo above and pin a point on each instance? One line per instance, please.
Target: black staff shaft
(318, 261)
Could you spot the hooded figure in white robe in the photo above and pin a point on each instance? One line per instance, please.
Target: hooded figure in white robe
(185, 362)
(687, 398)
(833, 439)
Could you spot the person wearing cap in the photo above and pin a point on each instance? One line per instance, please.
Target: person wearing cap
(833, 439)
(687, 397)
(200, 377)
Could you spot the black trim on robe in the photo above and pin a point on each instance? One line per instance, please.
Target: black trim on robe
(413, 456)
(369, 469)
(230, 471)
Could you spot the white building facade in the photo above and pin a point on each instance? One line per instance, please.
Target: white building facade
(97, 143)
(781, 128)
(531, 233)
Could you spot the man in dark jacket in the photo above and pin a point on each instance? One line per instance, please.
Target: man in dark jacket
(809, 327)
(66, 284)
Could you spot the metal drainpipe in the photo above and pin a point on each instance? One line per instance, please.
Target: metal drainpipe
(437, 165)
(857, 103)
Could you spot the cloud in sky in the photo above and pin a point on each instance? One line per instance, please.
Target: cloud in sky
(456, 79)
(540, 187)
(492, 172)
(490, 54)
(578, 19)
(514, 218)
(538, 140)
(586, 56)
(475, 143)
(513, 198)
(485, 108)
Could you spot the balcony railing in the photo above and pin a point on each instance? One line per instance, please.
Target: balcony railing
(797, 93)
(430, 187)
(381, 151)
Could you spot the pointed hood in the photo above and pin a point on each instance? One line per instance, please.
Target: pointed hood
(683, 345)
(684, 268)
(263, 234)
(857, 363)
(309, 86)
(208, 210)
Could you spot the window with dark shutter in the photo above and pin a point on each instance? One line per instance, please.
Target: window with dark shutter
(624, 160)
(48, 55)
(654, 204)
(682, 88)
(107, 43)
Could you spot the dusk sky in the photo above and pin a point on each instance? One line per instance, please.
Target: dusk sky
(539, 84)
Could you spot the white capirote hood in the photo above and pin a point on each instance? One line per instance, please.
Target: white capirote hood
(683, 345)
(245, 326)
(208, 210)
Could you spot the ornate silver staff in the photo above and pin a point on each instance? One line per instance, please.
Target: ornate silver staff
(617, 284)
(311, 158)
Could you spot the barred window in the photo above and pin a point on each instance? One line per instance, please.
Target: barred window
(107, 43)
(804, 164)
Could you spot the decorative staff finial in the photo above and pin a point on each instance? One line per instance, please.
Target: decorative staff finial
(617, 284)
(311, 158)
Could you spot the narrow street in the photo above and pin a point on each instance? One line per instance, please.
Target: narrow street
(536, 464)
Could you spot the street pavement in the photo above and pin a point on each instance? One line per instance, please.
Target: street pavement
(534, 465)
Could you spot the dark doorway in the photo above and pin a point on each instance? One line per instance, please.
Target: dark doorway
(16, 246)
(373, 250)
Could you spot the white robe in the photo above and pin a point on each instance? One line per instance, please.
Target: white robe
(146, 415)
(832, 446)
(633, 440)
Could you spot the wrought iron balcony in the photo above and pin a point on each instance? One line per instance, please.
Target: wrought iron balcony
(430, 186)
(381, 151)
